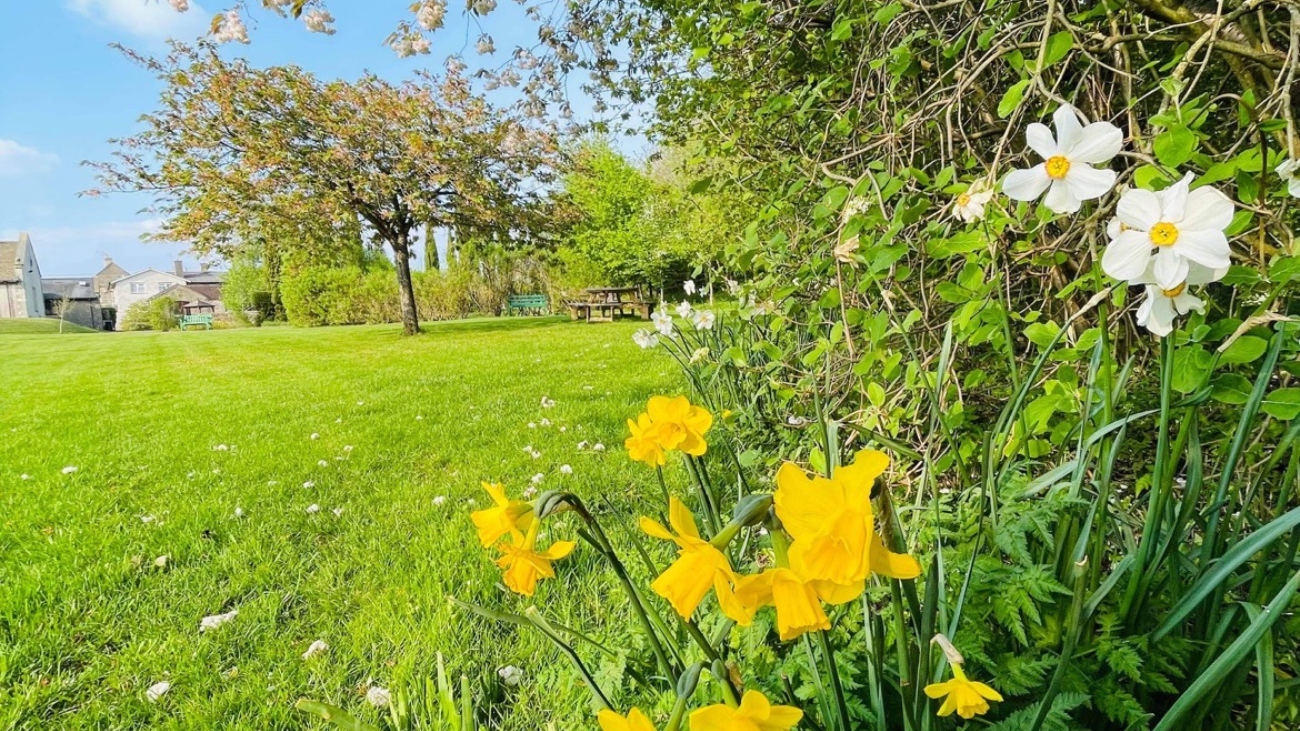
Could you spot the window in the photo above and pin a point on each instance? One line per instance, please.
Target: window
(137, 288)
(163, 286)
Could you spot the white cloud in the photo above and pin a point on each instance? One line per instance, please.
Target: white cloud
(150, 19)
(16, 159)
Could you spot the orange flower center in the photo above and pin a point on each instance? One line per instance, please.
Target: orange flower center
(1057, 167)
(1176, 290)
(1164, 234)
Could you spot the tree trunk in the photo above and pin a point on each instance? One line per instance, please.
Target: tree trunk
(410, 313)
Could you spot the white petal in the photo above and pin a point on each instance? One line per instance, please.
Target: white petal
(1293, 187)
(1138, 209)
(1185, 303)
(1197, 274)
(1207, 210)
(1087, 183)
(1144, 309)
(1040, 140)
(1174, 200)
(1061, 199)
(1169, 269)
(1209, 248)
(1026, 185)
(1113, 228)
(1098, 143)
(1068, 129)
(1127, 257)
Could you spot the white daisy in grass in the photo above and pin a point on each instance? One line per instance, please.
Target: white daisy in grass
(315, 648)
(161, 561)
(582, 445)
(532, 425)
(309, 483)
(1166, 231)
(547, 402)
(537, 478)
(566, 469)
(157, 690)
(314, 436)
(1162, 307)
(598, 447)
(545, 422)
(563, 429)
(1067, 174)
(530, 491)
(378, 697)
(684, 310)
(239, 512)
(338, 512)
(511, 675)
(645, 338)
(24, 476)
(968, 207)
(322, 463)
(439, 499)
(69, 470)
(347, 448)
(703, 320)
(221, 448)
(419, 417)
(313, 509)
(214, 621)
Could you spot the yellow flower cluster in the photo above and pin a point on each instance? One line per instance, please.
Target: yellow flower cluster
(668, 424)
(755, 713)
(832, 547)
(523, 564)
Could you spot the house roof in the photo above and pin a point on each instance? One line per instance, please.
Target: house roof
(8, 262)
(208, 277)
(72, 288)
(140, 273)
(112, 271)
(191, 293)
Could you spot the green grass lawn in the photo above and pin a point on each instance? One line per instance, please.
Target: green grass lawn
(45, 326)
(171, 433)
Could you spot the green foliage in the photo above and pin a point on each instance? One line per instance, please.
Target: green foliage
(161, 314)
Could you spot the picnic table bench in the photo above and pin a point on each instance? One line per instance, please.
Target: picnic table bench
(603, 304)
(188, 321)
(526, 302)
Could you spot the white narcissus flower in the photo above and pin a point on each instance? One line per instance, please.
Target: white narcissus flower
(689, 287)
(684, 310)
(378, 697)
(213, 621)
(703, 320)
(314, 649)
(1066, 173)
(663, 322)
(157, 690)
(969, 206)
(1181, 227)
(1287, 172)
(1162, 306)
(645, 338)
(700, 355)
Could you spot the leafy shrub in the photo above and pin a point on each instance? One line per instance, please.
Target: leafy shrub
(161, 314)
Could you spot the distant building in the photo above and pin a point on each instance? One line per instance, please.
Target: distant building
(73, 300)
(20, 280)
(196, 292)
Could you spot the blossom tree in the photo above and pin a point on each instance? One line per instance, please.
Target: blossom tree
(234, 151)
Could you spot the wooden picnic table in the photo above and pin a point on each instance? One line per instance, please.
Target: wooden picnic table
(603, 304)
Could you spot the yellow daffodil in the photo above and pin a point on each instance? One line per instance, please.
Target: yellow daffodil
(645, 445)
(683, 425)
(755, 713)
(798, 606)
(967, 697)
(698, 568)
(524, 565)
(635, 721)
(504, 518)
(833, 527)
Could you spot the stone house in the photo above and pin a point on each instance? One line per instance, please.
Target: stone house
(79, 297)
(197, 292)
(21, 295)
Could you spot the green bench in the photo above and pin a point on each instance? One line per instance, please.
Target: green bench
(188, 321)
(527, 303)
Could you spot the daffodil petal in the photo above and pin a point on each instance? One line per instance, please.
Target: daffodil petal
(1168, 269)
(986, 691)
(1208, 209)
(1040, 140)
(1138, 209)
(1061, 199)
(1068, 129)
(1088, 183)
(1098, 143)
(1127, 257)
(1207, 248)
(1026, 185)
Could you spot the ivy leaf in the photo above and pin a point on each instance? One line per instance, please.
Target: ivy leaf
(1174, 146)
(1011, 100)
(1057, 47)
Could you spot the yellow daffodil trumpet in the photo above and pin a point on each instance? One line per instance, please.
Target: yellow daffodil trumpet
(506, 517)
(699, 567)
(524, 566)
(755, 713)
(634, 721)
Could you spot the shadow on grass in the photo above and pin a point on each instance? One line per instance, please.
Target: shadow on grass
(491, 324)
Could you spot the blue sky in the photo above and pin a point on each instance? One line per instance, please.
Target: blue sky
(66, 93)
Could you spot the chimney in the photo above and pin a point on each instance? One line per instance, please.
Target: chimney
(108, 260)
(179, 268)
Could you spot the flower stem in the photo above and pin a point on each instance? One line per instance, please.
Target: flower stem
(841, 706)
